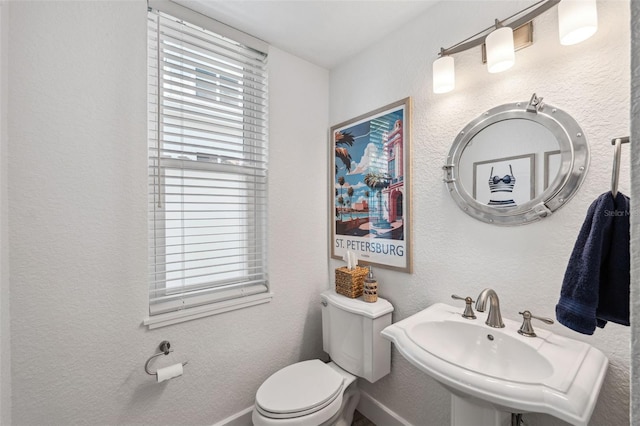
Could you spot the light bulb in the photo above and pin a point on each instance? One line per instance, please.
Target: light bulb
(500, 51)
(444, 77)
(577, 20)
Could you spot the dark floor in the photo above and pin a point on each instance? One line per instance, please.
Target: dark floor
(360, 420)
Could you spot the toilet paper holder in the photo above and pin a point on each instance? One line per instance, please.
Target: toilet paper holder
(165, 349)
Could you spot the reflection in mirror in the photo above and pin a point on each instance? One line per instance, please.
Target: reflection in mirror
(517, 163)
(500, 170)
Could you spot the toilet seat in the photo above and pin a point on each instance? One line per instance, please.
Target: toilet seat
(299, 390)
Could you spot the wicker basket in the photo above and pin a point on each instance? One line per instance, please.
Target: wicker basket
(350, 283)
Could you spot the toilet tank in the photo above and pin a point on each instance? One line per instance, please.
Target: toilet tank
(351, 334)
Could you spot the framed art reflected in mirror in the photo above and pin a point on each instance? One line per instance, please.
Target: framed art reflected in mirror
(504, 182)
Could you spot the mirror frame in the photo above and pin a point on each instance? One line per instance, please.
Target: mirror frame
(574, 163)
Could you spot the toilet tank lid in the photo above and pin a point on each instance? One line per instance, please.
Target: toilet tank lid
(358, 306)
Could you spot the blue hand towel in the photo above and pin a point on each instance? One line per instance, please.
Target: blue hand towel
(596, 283)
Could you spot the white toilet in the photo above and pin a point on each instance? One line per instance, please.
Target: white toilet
(312, 393)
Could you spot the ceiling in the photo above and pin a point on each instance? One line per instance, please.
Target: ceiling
(324, 32)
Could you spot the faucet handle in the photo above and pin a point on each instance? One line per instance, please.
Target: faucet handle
(468, 310)
(527, 329)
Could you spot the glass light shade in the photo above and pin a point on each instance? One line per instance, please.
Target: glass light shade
(500, 51)
(444, 76)
(577, 20)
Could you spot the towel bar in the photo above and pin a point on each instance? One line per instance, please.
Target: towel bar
(615, 174)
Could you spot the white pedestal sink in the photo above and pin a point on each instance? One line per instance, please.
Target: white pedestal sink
(500, 370)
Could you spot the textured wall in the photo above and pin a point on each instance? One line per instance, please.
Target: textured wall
(635, 218)
(454, 253)
(78, 231)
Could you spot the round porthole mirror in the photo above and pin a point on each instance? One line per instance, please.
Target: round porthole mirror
(517, 163)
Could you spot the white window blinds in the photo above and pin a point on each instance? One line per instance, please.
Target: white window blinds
(207, 171)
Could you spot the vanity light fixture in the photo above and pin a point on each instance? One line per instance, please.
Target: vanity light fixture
(577, 19)
(444, 74)
(501, 53)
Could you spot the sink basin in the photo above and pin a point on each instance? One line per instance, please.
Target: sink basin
(547, 374)
(468, 345)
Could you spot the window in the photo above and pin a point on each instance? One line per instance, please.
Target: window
(207, 172)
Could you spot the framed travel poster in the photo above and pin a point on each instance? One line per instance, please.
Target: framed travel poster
(370, 190)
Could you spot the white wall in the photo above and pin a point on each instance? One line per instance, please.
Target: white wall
(78, 231)
(5, 336)
(454, 253)
(635, 222)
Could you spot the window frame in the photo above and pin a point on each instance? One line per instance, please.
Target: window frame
(209, 299)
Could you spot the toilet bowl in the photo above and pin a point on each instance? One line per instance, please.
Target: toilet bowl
(307, 393)
(314, 393)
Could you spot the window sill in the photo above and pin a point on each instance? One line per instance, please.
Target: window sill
(170, 318)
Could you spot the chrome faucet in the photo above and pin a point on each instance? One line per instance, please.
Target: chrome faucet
(494, 319)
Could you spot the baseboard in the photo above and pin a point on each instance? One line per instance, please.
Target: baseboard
(378, 413)
(371, 408)
(243, 418)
